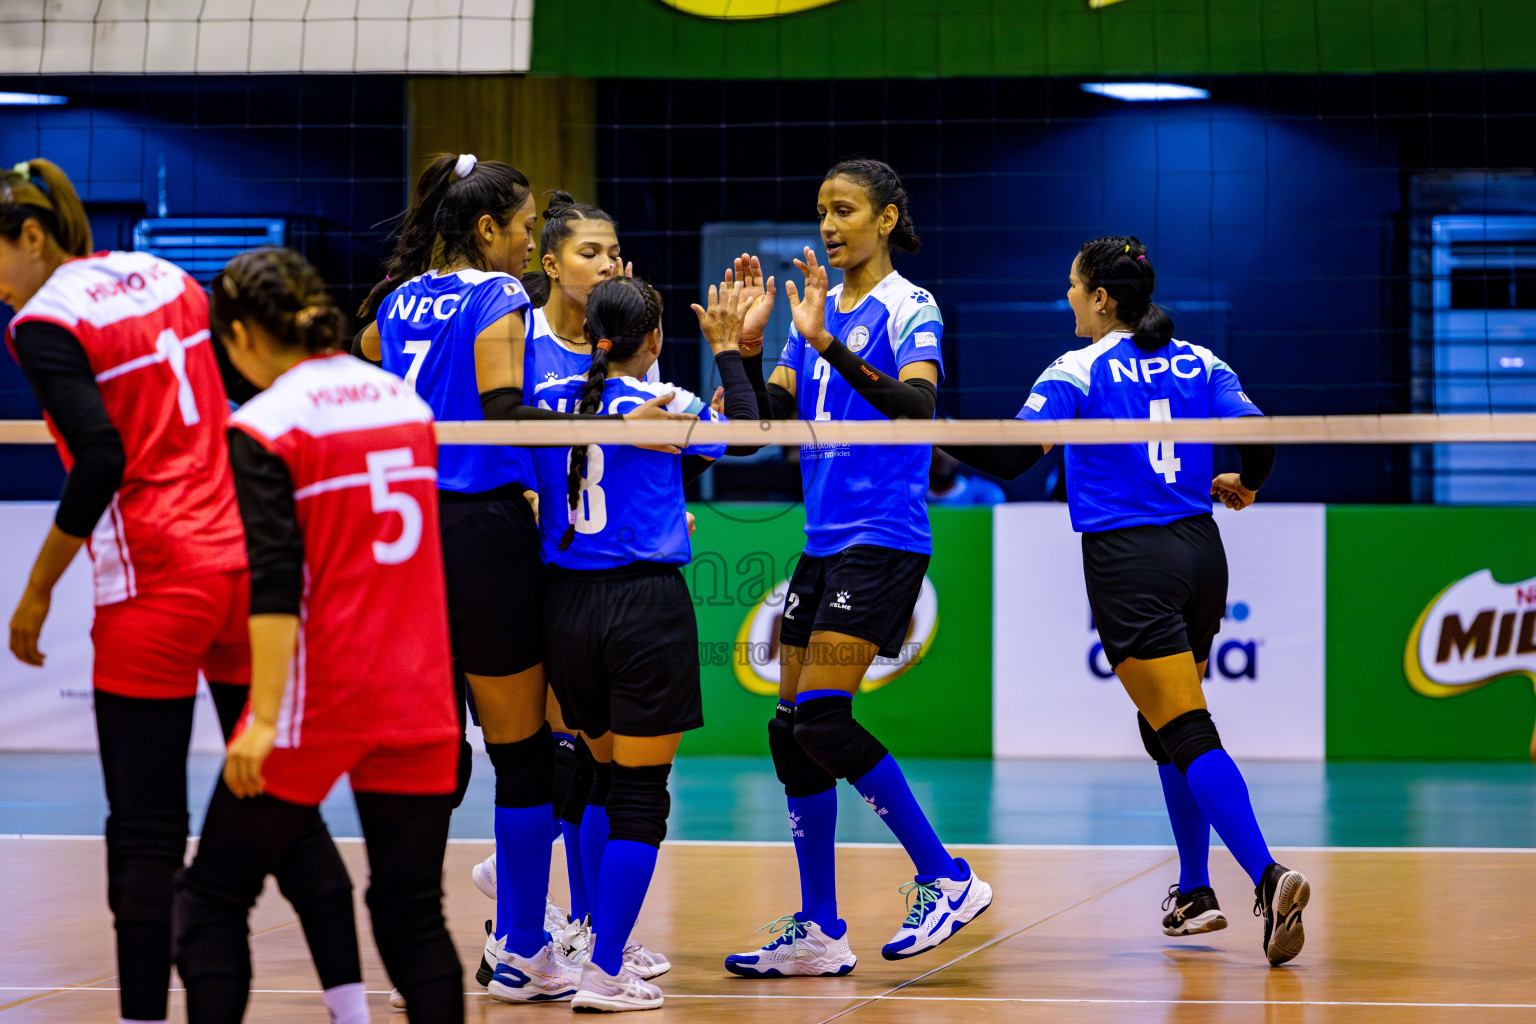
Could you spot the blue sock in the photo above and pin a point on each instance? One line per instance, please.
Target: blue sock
(627, 868)
(573, 870)
(885, 789)
(1191, 830)
(522, 876)
(594, 837)
(813, 826)
(1223, 795)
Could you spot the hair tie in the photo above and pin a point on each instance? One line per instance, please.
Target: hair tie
(466, 164)
(24, 170)
(306, 316)
(1142, 256)
(1127, 249)
(605, 344)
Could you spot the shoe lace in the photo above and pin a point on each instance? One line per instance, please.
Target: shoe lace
(920, 899)
(1258, 905)
(788, 929)
(1173, 897)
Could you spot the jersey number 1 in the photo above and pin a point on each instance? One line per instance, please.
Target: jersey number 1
(1161, 452)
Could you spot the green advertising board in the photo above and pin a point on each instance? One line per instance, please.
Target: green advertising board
(736, 39)
(1431, 632)
(741, 552)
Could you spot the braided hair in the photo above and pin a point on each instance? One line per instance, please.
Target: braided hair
(281, 291)
(438, 228)
(1119, 265)
(883, 187)
(620, 313)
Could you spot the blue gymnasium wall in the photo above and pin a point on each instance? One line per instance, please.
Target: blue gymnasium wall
(325, 152)
(1281, 196)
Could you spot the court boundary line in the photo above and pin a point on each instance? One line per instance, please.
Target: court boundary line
(1022, 847)
(1049, 1000)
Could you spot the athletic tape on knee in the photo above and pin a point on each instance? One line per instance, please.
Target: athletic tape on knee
(602, 781)
(1150, 741)
(525, 770)
(800, 775)
(639, 803)
(826, 731)
(1188, 736)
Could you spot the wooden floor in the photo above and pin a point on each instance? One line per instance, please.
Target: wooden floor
(1392, 935)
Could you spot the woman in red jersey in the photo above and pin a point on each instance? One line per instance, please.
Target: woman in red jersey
(335, 466)
(115, 346)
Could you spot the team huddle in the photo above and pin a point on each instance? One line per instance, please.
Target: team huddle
(353, 594)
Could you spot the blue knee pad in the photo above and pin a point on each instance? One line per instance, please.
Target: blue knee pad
(826, 731)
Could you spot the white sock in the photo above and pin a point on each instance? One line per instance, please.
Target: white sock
(348, 1003)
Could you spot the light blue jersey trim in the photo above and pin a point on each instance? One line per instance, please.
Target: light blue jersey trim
(924, 315)
(1065, 377)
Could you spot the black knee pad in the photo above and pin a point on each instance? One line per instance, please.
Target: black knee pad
(602, 782)
(638, 803)
(525, 770)
(581, 784)
(825, 730)
(801, 776)
(1150, 741)
(1188, 736)
(144, 852)
(466, 770)
(565, 766)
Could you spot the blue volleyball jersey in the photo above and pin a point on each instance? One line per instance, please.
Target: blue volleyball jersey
(427, 332)
(865, 494)
(632, 507)
(545, 360)
(1110, 486)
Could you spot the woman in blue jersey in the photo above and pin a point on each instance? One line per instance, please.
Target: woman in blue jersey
(579, 249)
(865, 350)
(1154, 564)
(451, 320)
(622, 642)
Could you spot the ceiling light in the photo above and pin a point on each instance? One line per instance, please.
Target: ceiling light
(31, 99)
(1143, 92)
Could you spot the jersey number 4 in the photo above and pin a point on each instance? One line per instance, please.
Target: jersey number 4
(1161, 452)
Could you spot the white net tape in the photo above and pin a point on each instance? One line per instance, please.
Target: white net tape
(1395, 429)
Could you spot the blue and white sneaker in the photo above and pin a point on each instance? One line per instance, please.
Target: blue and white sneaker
(936, 909)
(545, 977)
(802, 949)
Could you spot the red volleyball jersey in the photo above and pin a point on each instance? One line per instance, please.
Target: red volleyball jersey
(144, 326)
(373, 658)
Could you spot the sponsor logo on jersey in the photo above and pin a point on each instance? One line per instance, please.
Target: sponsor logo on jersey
(755, 654)
(1473, 632)
(1035, 402)
(409, 309)
(926, 339)
(858, 338)
(1235, 660)
(1183, 365)
(840, 602)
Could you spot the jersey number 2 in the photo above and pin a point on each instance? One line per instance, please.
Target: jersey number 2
(385, 500)
(1161, 452)
(822, 371)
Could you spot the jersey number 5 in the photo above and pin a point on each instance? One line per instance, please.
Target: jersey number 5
(385, 500)
(1161, 452)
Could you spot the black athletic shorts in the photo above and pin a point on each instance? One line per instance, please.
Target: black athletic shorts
(1157, 590)
(495, 580)
(865, 591)
(623, 650)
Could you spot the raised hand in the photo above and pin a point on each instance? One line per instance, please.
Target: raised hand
(755, 290)
(810, 312)
(721, 322)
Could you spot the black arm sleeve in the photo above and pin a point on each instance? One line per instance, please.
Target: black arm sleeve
(910, 399)
(61, 377)
(272, 541)
(741, 401)
(694, 467)
(773, 402)
(507, 404)
(1258, 462)
(1009, 461)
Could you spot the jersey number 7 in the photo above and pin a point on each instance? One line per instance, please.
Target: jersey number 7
(1161, 452)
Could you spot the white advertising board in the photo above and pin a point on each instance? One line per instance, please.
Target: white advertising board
(50, 708)
(1053, 694)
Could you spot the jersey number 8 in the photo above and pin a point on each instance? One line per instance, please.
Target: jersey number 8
(592, 513)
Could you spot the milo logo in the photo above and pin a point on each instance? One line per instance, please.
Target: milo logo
(1473, 632)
